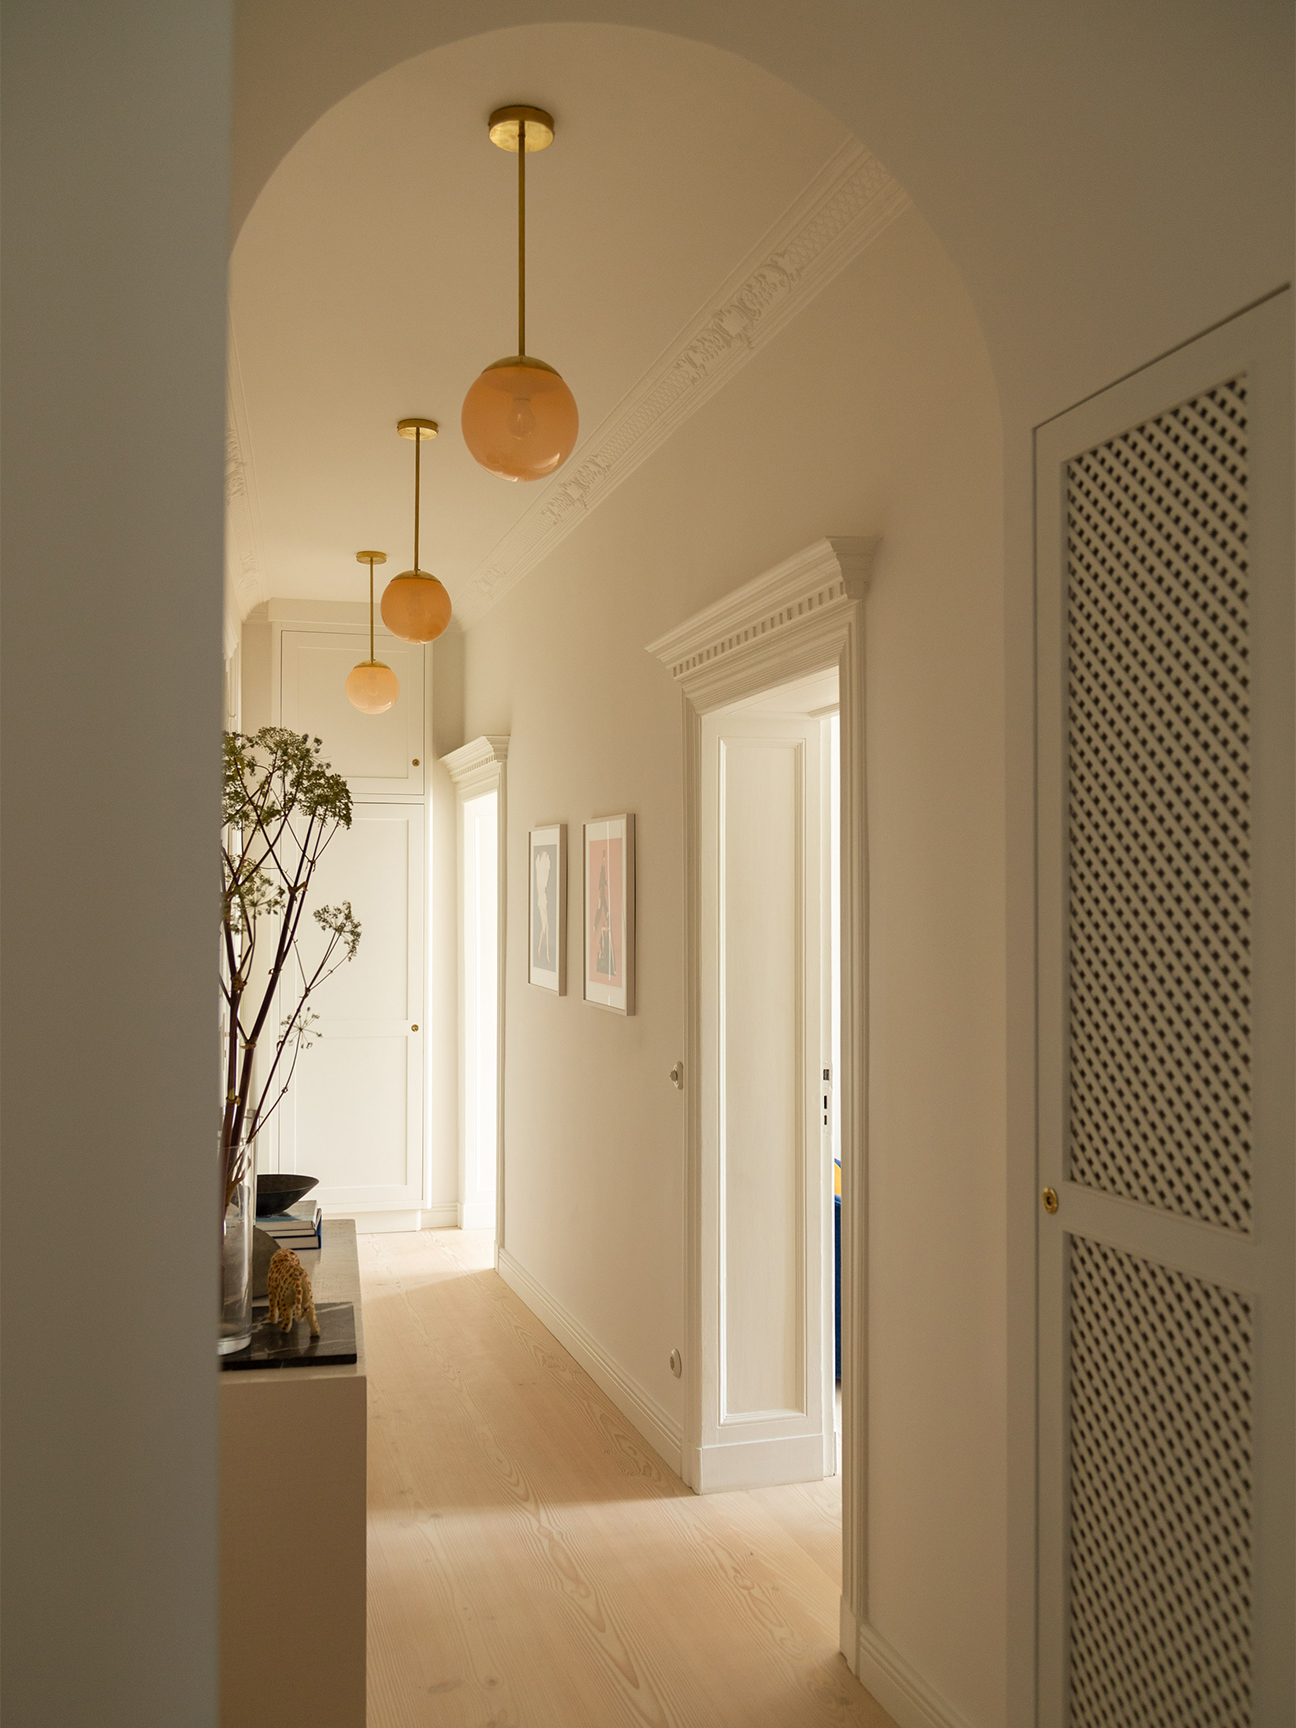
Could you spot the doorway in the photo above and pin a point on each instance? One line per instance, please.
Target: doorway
(479, 1095)
(770, 974)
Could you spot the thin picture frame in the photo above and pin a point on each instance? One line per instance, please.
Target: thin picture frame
(608, 914)
(547, 908)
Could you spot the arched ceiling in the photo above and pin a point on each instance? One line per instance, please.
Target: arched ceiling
(690, 203)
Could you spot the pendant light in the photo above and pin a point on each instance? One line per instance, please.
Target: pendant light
(372, 687)
(519, 418)
(415, 605)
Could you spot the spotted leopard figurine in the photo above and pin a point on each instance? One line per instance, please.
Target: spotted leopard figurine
(288, 1286)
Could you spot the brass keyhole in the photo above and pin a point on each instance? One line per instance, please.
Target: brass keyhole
(1050, 1200)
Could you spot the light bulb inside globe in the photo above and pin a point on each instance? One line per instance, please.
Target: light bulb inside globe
(372, 687)
(415, 606)
(520, 419)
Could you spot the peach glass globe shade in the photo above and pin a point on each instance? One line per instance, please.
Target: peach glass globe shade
(520, 419)
(372, 687)
(415, 606)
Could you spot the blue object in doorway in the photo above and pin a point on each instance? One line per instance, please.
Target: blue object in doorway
(837, 1277)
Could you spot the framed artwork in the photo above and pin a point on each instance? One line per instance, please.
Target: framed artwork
(609, 942)
(547, 964)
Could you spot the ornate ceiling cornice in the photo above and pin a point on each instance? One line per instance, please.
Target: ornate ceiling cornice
(845, 207)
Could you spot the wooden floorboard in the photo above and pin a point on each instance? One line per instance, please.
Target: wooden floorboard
(534, 1564)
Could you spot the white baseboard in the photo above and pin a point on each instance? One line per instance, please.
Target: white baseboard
(732, 1464)
(424, 1218)
(476, 1214)
(657, 1426)
(849, 1636)
(898, 1688)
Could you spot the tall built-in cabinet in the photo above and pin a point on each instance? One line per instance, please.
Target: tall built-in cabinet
(355, 1115)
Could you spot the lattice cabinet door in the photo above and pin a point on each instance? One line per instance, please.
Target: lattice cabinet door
(1167, 1063)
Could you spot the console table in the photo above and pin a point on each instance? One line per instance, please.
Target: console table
(292, 1486)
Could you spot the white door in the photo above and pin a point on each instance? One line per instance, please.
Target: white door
(354, 1115)
(1167, 1065)
(767, 1381)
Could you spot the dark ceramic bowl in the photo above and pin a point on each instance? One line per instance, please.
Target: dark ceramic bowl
(278, 1193)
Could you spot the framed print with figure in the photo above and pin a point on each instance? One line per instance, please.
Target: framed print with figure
(547, 893)
(609, 941)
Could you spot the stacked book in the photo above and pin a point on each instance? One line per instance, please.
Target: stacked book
(297, 1228)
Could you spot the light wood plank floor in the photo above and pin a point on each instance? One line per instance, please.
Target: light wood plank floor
(532, 1563)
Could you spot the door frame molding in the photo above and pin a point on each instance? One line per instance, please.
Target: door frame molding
(805, 615)
(476, 768)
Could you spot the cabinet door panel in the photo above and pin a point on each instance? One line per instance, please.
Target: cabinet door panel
(354, 1117)
(381, 755)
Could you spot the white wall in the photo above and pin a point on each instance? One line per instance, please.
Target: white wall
(874, 413)
(115, 144)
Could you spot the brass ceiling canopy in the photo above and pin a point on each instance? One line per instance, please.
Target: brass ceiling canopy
(413, 428)
(506, 126)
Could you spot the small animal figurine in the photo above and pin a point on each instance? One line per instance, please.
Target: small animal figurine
(288, 1286)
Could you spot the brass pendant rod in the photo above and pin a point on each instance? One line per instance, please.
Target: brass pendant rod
(371, 638)
(521, 238)
(418, 445)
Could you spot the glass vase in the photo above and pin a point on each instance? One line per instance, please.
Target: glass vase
(236, 1257)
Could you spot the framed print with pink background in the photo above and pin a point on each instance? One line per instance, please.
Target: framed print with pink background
(609, 942)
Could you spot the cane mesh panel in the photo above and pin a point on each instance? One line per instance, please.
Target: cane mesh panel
(1159, 813)
(1160, 1464)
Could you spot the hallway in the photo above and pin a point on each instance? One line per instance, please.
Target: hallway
(533, 1563)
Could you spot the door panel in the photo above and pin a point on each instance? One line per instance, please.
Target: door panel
(1164, 558)
(381, 755)
(354, 1116)
(762, 1077)
(766, 1375)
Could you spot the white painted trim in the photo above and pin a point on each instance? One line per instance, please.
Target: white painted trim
(778, 601)
(805, 615)
(656, 1425)
(476, 1215)
(343, 615)
(763, 1463)
(442, 1217)
(843, 209)
(475, 768)
(898, 1688)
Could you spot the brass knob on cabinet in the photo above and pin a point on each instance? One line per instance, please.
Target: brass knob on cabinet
(416, 761)
(413, 1028)
(1050, 1200)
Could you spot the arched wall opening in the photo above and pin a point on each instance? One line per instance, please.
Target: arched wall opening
(769, 345)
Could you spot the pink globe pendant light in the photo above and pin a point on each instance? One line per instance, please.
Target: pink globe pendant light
(371, 686)
(415, 605)
(519, 418)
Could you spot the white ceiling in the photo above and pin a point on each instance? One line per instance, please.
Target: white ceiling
(376, 276)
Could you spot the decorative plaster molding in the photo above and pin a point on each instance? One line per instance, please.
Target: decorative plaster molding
(478, 764)
(844, 208)
(245, 584)
(820, 580)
